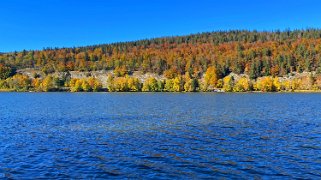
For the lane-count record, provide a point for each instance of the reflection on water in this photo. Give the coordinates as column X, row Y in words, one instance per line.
column 135, row 135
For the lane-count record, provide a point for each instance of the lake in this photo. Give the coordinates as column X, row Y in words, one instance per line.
column 160, row 135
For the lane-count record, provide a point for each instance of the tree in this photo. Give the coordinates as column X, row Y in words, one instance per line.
column 170, row 73
column 110, row 83
column 3, row 84
column 276, row 84
column 97, row 86
column 86, row 86
column 228, row 83
column 253, row 71
column 121, row 71
column 19, row 82
column 169, row 85
column 133, row 84
column 47, row 84
column 76, row 85
column 151, row 85
column 242, row 85
column 5, row 72
column 178, row 84
column 94, row 84
column 210, row 78
column 191, row 84
column 58, row 82
column 219, row 83
column 265, row 84
column 36, row 84
column 120, row 84
column 123, row 84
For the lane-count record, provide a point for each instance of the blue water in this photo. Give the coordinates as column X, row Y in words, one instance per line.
column 161, row 135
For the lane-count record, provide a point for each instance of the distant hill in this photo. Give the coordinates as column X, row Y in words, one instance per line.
column 250, row 52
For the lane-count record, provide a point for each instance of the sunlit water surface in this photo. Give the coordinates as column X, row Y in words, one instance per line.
column 159, row 135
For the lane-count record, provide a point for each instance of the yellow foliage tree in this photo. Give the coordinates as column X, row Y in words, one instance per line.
column 75, row 85
column 110, row 83
column 242, row 85
column 47, row 84
column 210, row 78
column 277, row 84
column 19, row 82
column 190, row 83
column 85, row 86
column 228, row 83
column 94, row 84
column 169, row 85
column 150, row 85
column 264, row 84
column 178, row 84
column 133, row 84
column 123, row 84
column 36, row 84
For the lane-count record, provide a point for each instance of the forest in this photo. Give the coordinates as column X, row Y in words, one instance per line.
column 229, row 61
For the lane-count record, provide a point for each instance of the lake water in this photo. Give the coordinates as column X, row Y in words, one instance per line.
column 160, row 135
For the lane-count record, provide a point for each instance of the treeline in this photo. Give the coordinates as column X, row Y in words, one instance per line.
column 22, row 83
column 253, row 53
column 197, row 62
column 185, row 83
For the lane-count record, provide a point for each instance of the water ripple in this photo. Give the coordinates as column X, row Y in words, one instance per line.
column 164, row 136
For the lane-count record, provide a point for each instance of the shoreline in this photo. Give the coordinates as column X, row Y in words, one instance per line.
column 183, row 92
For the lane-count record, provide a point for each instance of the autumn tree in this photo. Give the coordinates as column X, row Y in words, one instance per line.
column 5, row 72
column 191, row 84
column 151, row 85
column 178, row 84
column 110, row 83
column 76, row 85
column 242, row 85
column 123, row 84
column 95, row 84
column 85, row 86
column 264, row 84
column 19, row 82
column 228, row 83
column 210, row 78
column 134, row 84
column 47, row 84
column 169, row 85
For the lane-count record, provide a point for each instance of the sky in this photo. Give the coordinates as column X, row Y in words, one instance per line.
column 37, row 24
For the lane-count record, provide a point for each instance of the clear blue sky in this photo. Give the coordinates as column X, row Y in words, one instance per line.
column 34, row 24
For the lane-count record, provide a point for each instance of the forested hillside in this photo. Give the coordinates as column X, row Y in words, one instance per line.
column 205, row 61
